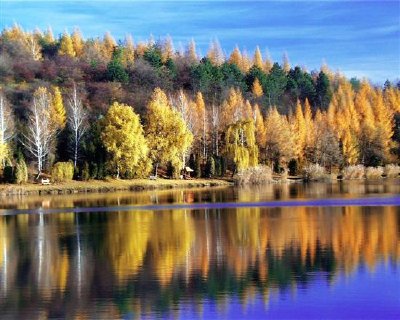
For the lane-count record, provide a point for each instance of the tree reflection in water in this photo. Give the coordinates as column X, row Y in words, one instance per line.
column 112, row 264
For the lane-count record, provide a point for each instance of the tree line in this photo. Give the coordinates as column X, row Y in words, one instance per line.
column 125, row 109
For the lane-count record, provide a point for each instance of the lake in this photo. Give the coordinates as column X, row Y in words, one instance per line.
column 222, row 253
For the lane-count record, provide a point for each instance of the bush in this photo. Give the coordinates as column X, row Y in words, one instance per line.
column 315, row 172
column 62, row 171
column 210, row 167
column 8, row 174
column 21, row 172
column 218, row 166
column 85, row 172
column 354, row 172
column 392, row 170
column 374, row 172
column 256, row 175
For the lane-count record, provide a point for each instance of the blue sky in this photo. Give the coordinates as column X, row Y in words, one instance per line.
column 360, row 38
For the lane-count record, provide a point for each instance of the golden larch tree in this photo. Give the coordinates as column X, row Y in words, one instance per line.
column 258, row 60
column 58, row 115
column 108, row 45
column 215, row 53
column 128, row 53
column 191, row 51
column 168, row 51
column 77, row 42
column 236, row 57
column 268, row 63
column 257, row 89
column 285, row 63
column 66, row 45
column 259, row 124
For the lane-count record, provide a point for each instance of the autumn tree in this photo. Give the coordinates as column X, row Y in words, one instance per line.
column 40, row 133
column 77, row 42
column 257, row 88
column 257, row 60
column 108, row 45
column 66, row 45
column 167, row 133
column 77, row 122
column 259, row 125
column 279, row 146
column 124, row 140
column 58, row 115
column 6, row 128
column 240, row 144
column 128, row 53
column 215, row 53
column 285, row 63
column 236, row 57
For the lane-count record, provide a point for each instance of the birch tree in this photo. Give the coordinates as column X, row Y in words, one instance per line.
column 39, row 136
column 77, row 122
column 6, row 128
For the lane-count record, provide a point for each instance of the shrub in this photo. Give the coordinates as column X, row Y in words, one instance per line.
column 85, row 172
column 255, row 175
column 62, row 171
column 392, row 170
column 197, row 167
column 354, row 172
column 94, row 170
column 8, row 174
column 210, row 167
column 315, row 172
column 374, row 172
column 21, row 172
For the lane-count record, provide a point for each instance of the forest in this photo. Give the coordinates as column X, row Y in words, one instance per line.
column 94, row 108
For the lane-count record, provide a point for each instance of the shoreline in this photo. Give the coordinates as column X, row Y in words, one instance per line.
column 101, row 186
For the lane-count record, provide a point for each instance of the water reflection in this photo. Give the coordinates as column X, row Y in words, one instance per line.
column 112, row 265
column 349, row 189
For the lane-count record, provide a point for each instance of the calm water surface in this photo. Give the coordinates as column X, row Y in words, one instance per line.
column 230, row 263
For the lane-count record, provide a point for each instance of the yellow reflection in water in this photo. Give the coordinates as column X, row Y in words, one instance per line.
column 176, row 246
column 127, row 237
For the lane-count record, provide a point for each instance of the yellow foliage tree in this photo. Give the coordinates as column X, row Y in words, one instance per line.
column 279, row 146
column 128, row 54
column 77, row 42
column 384, row 124
column 259, row 124
column 233, row 108
column 286, row 63
column 202, row 121
column 168, row 50
column 167, row 133
column 236, row 57
column 350, row 148
column 66, row 45
column 215, row 53
column 240, row 142
column 246, row 62
column 257, row 89
column 108, row 45
column 191, row 52
column 300, row 132
column 124, row 140
column 258, row 61
column 268, row 63
column 58, row 115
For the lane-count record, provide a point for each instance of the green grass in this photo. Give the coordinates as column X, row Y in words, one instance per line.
column 110, row 185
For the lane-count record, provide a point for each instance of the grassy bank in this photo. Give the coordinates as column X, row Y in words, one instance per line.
column 106, row 186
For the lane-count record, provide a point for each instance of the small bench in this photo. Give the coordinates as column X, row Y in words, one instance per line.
column 153, row 177
column 45, row 181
